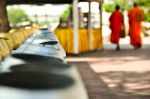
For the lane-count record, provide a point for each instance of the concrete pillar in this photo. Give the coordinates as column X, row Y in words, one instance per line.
column 75, row 27
column 90, row 27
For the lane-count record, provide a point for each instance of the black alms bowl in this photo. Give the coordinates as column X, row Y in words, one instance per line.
column 35, row 80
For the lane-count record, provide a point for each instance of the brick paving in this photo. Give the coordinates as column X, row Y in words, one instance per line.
column 111, row 74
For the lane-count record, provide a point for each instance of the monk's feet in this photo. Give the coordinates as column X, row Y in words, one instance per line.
column 118, row 48
column 137, row 47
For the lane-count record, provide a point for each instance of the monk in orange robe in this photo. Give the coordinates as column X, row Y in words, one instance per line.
column 136, row 16
column 116, row 21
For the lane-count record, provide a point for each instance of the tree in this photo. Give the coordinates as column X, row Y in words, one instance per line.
column 14, row 18
column 110, row 6
column 4, row 23
column 66, row 13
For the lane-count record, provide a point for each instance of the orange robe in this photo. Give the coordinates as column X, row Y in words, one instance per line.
column 116, row 21
column 135, row 26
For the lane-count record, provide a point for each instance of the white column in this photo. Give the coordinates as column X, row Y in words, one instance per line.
column 75, row 27
column 90, row 27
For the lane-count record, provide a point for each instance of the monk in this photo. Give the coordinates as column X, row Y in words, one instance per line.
column 136, row 16
column 116, row 21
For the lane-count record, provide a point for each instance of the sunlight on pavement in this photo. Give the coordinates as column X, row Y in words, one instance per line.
column 136, row 66
column 85, row 59
column 95, row 59
column 114, row 64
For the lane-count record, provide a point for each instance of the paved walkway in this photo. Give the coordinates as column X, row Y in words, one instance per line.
column 111, row 74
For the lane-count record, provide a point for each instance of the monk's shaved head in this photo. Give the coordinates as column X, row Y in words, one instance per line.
column 135, row 4
column 117, row 7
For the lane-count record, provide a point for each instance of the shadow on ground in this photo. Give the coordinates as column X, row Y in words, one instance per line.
column 111, row 74
column 127, row 83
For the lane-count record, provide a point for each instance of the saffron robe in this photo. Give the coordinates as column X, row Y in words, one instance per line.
column 135, row 15
column 116, row 21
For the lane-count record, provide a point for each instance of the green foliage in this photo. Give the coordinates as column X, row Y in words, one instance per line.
column 124, row 4
column 108, row 7
column 44, row 23
column 16, row 16
column 147, row 16
column 66, row 13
